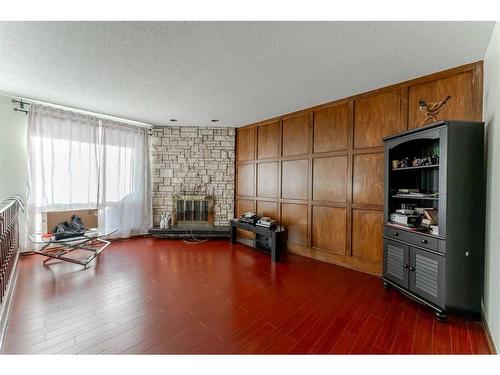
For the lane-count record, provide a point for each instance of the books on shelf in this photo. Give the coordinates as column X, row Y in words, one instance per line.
column 426, row 222
column 414, row 193
column 405, row 211
column 409, row 191
column 421, row 210
column 432, row 216
column 415, row 196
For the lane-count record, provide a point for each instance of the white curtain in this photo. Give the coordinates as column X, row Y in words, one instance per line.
column 124, row 190
column 77, row 161
column 63, row 163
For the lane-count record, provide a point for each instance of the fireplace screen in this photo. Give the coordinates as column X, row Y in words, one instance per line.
column 193, row 209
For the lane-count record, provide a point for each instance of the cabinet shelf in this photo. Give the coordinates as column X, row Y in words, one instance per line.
column 413, row 168
column 417, row 198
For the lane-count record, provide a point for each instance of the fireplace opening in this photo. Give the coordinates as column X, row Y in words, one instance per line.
column 194, row 209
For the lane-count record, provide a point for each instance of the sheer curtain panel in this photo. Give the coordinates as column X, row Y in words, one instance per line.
column 124, row 191
column 77, row 161
column 63, row 162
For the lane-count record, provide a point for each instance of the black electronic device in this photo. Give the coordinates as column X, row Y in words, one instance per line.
column 249, row 218
column 410, row 220
column 267, row 222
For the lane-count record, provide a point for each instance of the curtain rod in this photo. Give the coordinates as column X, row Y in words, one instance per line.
column 21, row 105
column 27, row 101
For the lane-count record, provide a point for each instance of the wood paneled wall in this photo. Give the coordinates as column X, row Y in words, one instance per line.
column 319, row 171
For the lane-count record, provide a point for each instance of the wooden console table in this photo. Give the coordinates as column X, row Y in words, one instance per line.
column 267, row 240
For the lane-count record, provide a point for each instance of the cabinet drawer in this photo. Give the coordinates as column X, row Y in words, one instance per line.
column 412, row 238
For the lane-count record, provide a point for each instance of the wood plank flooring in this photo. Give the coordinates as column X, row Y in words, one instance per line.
column 147, row 295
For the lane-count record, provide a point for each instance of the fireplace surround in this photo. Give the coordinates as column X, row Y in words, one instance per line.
column 193, row 161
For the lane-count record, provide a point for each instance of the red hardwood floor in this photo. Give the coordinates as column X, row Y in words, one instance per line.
column 146, row 295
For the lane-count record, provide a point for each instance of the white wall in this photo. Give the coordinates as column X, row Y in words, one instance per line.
column 13, row 154
column 492, row 119
column 13, row 169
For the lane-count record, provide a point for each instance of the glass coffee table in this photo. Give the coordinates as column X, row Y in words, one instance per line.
column 70, row 249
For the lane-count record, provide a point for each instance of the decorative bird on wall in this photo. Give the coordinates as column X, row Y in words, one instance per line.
column 431, row 110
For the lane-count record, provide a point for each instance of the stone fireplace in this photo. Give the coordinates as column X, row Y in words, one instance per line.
column 193, row 165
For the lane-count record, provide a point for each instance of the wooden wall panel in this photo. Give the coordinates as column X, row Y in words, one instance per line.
column 329, row 228
column 294, row 179
column 244, row 205
column 268, row 141
column 270, row 209
column 246, row 180
column 376, row 117
column 368, row 179
column 331, row 128
column 329, row 164
column 296, row 135
column 330, row 179
column 267, row 180
column 294, row 218
column 459, row 107
column 246, row 144
column 367, row 234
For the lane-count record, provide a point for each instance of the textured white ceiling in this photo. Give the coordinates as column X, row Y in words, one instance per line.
column 237, row 72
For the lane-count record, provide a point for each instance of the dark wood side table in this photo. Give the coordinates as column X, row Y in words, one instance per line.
column 266, row 240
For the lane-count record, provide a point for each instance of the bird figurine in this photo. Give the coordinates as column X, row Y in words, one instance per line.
column 431, row 110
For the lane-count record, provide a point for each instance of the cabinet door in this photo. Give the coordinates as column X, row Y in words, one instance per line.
column 427, row 275
column 396, row 262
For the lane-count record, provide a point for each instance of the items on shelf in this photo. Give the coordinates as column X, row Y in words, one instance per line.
column 259, row 221
column 415, row 162
column 409, row 216
column 409, row 191
column 411, row 221
column 413, row 193
column 267, row 222
column 432, row 214
column 249, row 218
column 434, row 230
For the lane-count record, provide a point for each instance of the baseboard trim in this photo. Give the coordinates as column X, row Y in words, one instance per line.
column 7, row 302
column 491, row 343
column 354, row 263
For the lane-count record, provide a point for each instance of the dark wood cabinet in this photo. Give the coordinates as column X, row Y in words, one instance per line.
column 443, row 270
